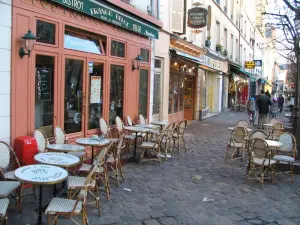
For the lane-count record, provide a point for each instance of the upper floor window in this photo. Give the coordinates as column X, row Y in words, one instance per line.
column 145, row 54
column 117, row 49
column 178, row 16
column 45, row 32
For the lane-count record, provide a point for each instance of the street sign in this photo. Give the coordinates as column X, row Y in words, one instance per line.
column 258, row 63
column 249, row 64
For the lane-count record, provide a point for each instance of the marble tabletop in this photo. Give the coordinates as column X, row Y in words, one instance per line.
column 65, row 148
column 232, row 128
column 136, row 129
column 41, row 174
column 160, row 123
column 57, row 159
column 92, row 142
column 273, row 143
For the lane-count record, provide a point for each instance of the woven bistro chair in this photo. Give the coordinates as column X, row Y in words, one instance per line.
column 242, row 123
column 274, row 121
column 166, row 139
column 129, row 121
column 69, row 207
column 260, row 158
column 287, row 152
column 61, row 138
column 129, row 138
column 76, row 183
column 4, row 202
column 142, row 119
column 42, row 140
column 11, row 189
column 258, row 134
column 105, row 130
column 276, row 130
column 8, row 164
column 152, row 150
column 101, row 172
column 114, row 159
column 236, row 144
column 178, row 135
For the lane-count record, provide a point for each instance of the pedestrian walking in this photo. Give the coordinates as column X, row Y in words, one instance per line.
column 263, row 103
column 280, row 103
column 274, row 108
column 268, row 94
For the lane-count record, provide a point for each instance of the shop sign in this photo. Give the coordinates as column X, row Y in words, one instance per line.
column 110, row 15
column 197, row 17
column 95, row 89
column 216, row 64
column 249, row 64
column 43, row 84
column 258, row 63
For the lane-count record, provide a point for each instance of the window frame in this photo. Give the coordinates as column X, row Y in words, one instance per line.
column 110, row 48
column 149, row 50
column 56, row 45
column 148, row 91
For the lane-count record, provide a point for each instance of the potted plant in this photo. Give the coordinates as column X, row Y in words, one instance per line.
column 225, row 52
column 207, row 42
column 219, row 48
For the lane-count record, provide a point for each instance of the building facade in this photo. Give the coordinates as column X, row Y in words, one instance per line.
column 83, row 65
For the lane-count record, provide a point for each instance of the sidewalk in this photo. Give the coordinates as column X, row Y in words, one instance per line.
column 194, row 188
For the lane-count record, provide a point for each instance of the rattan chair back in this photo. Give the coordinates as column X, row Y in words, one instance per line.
column 258, row 134
column 259, row 149
column 242, row 123
column 142, row 119
column 288, row 144
column 274, row 121
column 103, row 127
column 277, row 129
column 129, row 121
column 181, row 126
column 238, row 135
column 8, row 159
column 60, row 135
column 41, row 140
column 119, row 124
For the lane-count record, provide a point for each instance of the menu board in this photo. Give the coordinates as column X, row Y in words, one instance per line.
column 43, row 84
column 95, row 89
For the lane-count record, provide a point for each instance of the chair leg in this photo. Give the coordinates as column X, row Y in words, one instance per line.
column 121, row 170
column 34, row 192
column 292, row 172
column 178, row 144
column 48, row 220
column 117, row 173
column 98, row 204
column 262, row 175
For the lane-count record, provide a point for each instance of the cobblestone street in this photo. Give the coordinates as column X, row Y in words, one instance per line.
column 198, row 187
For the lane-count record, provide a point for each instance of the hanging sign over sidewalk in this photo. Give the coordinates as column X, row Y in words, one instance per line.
column 111, row 15
column 197, row 17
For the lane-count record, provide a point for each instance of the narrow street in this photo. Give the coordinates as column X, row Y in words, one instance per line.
column 198, row 187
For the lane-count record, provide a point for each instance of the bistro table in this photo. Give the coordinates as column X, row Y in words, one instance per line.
column 41, row 175
column 232, row 128
column 93, row 143
column 147, row 126
column 136, row 130
column 65, row 148
column 57, row 159
column 160, row 123
column 274, row 144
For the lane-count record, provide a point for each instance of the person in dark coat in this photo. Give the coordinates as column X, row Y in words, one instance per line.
column 280, row 103
column 263, row 103
column 268, row 94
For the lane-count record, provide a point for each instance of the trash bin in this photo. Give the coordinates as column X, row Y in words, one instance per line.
column 25, row 148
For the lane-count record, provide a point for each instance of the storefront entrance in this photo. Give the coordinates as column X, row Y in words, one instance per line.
column 80, row 91
column 188, row 97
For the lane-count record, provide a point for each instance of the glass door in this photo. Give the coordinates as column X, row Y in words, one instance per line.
column 188, row 98
column 95, row 96
column 74, row 95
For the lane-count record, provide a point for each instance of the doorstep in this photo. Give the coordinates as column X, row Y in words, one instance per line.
column 209, row 115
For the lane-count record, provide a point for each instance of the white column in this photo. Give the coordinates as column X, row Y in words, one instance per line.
column 151, row 80
column 5, row 68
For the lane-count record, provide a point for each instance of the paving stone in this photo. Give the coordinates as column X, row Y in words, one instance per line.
column 157, row 214
column 256, row 221
column 168, row 221
column 151, row 222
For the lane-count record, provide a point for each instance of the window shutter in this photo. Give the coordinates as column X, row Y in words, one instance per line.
column 178, row 16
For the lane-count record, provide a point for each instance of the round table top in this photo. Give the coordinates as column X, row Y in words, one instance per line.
column 136, row 129
column 232, row 128
column 57, row 159
column 65, row 148
column 92, row 142
column 268, row 125
column 273, row 143
column 147, row 126
column 41, row 174
column 160, row 123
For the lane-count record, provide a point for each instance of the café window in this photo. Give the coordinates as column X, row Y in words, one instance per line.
column 116, row 92
column 117, row 49
column 44, row 93
column 143, row 95
column 45, row 32
column 176, row 94
column 96, row 94
column 85, row 41
column 145, row 54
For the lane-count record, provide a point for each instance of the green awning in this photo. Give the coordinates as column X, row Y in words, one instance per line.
column 251, row 76
column 109, row 14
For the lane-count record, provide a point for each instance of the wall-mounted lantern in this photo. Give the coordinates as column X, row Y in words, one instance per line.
column 29, row 41
column 138, row 59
